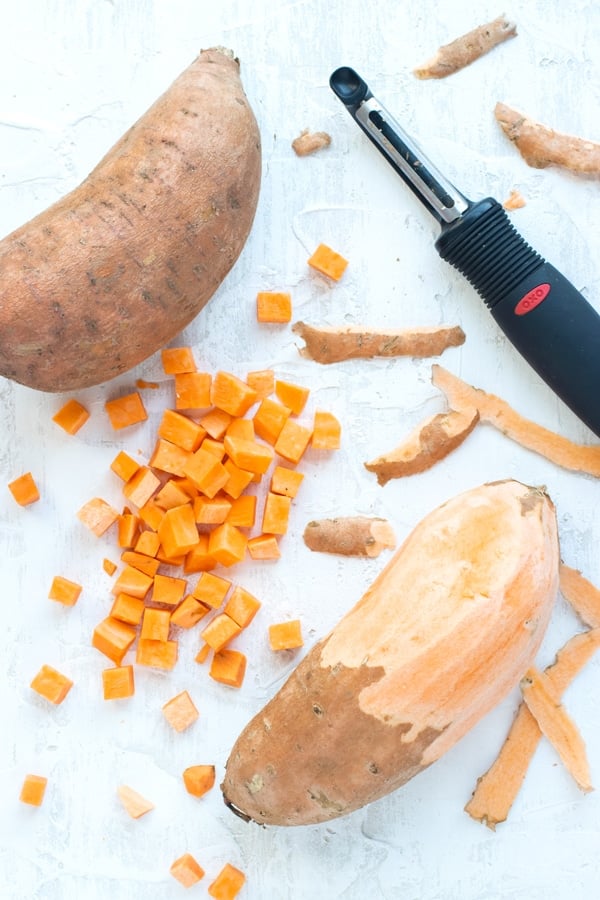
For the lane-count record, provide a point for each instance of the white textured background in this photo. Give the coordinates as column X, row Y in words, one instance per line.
column 73, row 76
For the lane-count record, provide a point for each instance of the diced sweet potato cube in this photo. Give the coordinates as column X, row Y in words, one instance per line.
column 274, row 306
column 64, row 591
column 241, row 427
column 211, row 589
column 186, row 870
column 189, row 612
column 206, row 471
column 243, row 511
column 168, row 457
column 326, row 431
column 286, row 635
column 113, row 638
column 168, row 589
column 97, row 515
column 178, row 531
column 220, row 631
column 148, row 543
column 211, row 510
column 198, row 559
column 231, row 394
column 124, row 466
column 262, row 381
column 177, row 359
column 192, row 390
column 227, row 544
column 328, row 262
column 228, row 667
column 227, row 884
column 24, row 489
column 134, row 803
column 127, row 410
column 269, row 419
column 250, row 456
column 157, row 654
column 294, row 396
column 149, row 565
column 132, row 581
column 216, row 422
column 238, row 480
column 128, row 529
column 180, row 712
column 127, row 609
column 71, row 416
column 141, row 486
column 118, row 682
column 51, row 684
column 199, row 780
column 242, row 606
column 264, row 546
column 276, row 513
column 155, row 624
column 181, row 430
column 286, row 481
column 292, row 441
column 33, row 790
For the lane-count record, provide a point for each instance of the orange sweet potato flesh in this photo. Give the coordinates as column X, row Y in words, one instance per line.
column 114, row 270
column 411, row 667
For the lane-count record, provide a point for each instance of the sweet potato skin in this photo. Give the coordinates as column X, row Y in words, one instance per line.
column 114, row 270
column 411, row 668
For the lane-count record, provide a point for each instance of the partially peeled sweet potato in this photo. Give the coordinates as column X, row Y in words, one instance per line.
column 114, row 270
column 447, row 629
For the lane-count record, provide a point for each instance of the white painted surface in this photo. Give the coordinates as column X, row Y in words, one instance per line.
column 73, row 76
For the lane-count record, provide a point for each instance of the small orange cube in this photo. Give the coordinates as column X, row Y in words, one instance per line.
column 125, row 411
column 155, row 624
column 227, row 884
column 72, row 416
column 186, row 870
column 64, row 591
column 118, row 682
column 328, row 262
column 199, row 780
column 228, row 667
column 33, row 790
column 286, row 635
column 24, row 489
column 180, row 712
column 274, row 306
column 177, row 359
column 49, row 683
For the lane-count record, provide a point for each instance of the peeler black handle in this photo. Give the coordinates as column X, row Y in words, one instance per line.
column 544, row 316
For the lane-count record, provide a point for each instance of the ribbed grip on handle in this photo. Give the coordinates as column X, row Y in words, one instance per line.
column 486, row 248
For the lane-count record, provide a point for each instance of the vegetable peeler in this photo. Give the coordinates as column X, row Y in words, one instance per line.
column 544, row 316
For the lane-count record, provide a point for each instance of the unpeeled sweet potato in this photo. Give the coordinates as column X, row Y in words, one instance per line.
column 447, row 629
column 114, row 270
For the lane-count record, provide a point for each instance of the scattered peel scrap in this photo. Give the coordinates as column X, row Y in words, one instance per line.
column 427, row 444
column 497, row 412
column 309, row 142
column 556, row 724
column 515, row 200
column 330, row 345
column 497, row 789
column 541, row 146
column 467, row 48
column 583, row 596
column 350, row 536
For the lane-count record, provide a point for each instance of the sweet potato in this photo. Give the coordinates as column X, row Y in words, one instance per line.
column 111, row 272
column 447, row 629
